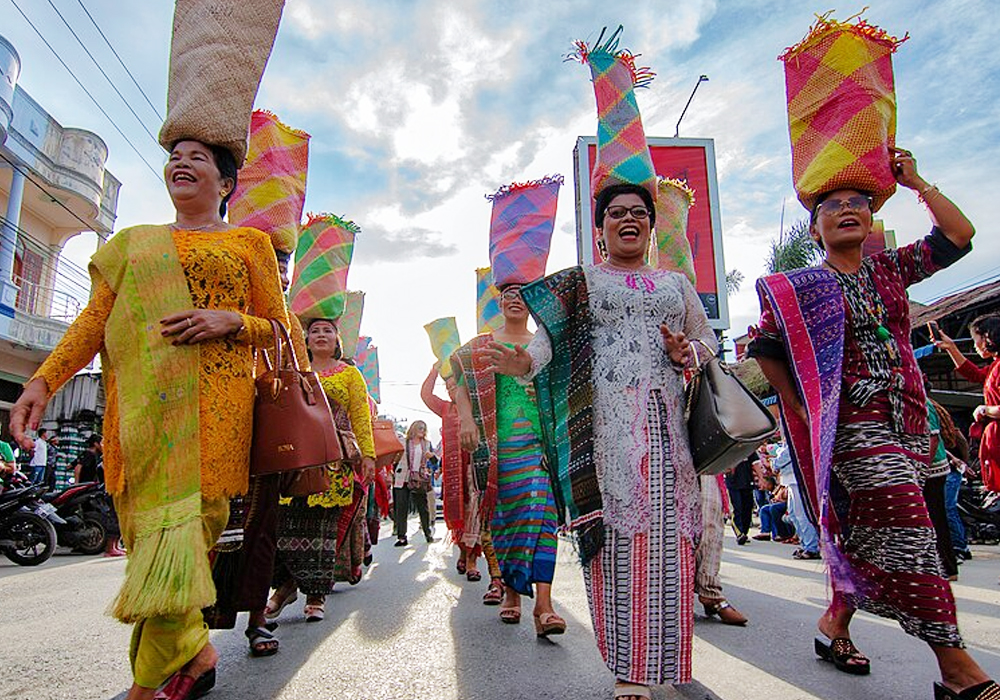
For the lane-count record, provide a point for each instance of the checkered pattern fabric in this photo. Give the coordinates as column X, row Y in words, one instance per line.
column 673, row 250
column 524, row 215
column 622, row 154
column 322, row 260
column 841, row 110
column 349, row 324
column 367, row 362
column 271, row 191
column 443, row 333
column 489, row 317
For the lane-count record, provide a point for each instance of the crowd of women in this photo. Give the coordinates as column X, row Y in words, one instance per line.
column 581, row 423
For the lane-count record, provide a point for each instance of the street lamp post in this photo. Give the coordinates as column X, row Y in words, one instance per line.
column 701, row 79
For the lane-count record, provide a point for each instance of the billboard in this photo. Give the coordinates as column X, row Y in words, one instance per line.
column 692, row 160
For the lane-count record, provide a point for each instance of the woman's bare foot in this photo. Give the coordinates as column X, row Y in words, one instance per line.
column 631, row 691
column 835, row 624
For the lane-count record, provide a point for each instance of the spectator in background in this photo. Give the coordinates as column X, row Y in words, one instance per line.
column 772, row 525
column 934, row 490
column 739, row 482
column 808, row 537
column 51, row 457
column 40, row 457
column 85, row 466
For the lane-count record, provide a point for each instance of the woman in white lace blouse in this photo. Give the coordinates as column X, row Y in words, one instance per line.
column 613, row 420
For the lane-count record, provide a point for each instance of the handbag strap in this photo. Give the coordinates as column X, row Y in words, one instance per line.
column 281, row 337
column 697, row 360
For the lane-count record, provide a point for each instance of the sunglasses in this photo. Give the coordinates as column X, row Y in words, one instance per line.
column 832, row 207
column 619, row 212
column 511, row 294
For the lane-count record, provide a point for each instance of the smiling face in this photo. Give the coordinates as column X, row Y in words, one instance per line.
column 979, row 342
column 843, row 220
column 511, row 303
column 193, row 179
column 626, row 239
column 322, row 338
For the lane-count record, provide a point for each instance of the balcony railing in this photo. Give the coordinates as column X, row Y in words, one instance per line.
column 48, row 302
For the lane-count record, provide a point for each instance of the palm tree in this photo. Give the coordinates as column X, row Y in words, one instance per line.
column 734, row 278
column 793, row 249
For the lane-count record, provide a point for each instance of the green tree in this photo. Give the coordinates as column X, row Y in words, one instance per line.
column 734, row 278
column 793, row 249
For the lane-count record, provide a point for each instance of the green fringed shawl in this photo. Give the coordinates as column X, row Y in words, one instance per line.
column 157, row 394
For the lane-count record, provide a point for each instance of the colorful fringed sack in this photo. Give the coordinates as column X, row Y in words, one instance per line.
column 841, row 109
column 443, row 334
column 622, row 153
column 322, row 261
column 524, row 216
column 218, row 52
column 271, row 191
column 673, row 250
column 367, row 362
column 349, row 325
column 489, row 317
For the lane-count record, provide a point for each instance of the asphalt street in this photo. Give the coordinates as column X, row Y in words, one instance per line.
column 414, row 629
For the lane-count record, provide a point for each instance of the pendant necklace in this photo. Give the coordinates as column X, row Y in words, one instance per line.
column 873, row 304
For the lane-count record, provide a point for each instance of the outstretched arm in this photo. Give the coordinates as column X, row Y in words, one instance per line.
column 434, row 403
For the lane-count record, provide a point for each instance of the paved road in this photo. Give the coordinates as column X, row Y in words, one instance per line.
column 414, row 629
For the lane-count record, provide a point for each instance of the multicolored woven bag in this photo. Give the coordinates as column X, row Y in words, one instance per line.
column 622, row 154
column 841, row 109
column 673, row 250
column 271, row 191
column 443, row 334
column 322, row 261
column 367, row 362
column 349, row 324
column 524, row 216
column 489, row 317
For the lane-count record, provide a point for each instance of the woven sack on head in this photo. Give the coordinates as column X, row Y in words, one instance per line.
column 443, row 334
column 524, row 216
column 217, row 56
column 367, row 362
column 349, row 325
column 841, row 110
column 271, row 191
column 673, row 250
column 489, row 317
column 322, row 261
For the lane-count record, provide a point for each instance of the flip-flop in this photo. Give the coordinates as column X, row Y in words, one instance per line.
column 262, row 642
column 313, row 612
column 473, row 575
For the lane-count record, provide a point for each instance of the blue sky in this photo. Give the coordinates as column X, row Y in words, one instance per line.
column 419, row 108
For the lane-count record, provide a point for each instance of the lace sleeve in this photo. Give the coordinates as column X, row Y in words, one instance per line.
column 361, row 417
column 696, row 322
column 83, row 339
column 540, row 349
column 298, row 337
column 267, row 300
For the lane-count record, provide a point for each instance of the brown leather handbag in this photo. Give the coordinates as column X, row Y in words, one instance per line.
column 387, row 444
column 293, row 427
column 306, row 482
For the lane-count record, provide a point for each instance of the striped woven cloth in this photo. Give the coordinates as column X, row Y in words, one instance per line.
column 443, row 334
column 673, row 249
column 349, row 325
column 367, row 362
column 524, row 215
column 322, row 260
column 841, row 109
column 622, row 154
column 489, row 317
column 271, row 191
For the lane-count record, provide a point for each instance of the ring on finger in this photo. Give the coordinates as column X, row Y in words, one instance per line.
column 189, row 322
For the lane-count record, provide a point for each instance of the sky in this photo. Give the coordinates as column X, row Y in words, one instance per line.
column 418, row 108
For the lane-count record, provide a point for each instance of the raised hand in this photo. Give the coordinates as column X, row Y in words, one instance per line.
column 514, row 362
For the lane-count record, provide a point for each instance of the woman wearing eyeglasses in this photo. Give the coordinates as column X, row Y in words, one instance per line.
column 834, row 343
column 614, row 339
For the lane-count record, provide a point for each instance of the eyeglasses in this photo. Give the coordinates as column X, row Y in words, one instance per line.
column 619, row 212
column 511, row 294
column 832, row 207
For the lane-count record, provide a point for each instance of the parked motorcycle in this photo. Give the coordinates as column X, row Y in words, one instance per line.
column 27, row 532
column 84, row 509
column 980, row 512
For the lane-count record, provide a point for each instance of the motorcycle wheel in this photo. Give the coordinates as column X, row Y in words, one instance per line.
column 35, row 539
column 92, row 536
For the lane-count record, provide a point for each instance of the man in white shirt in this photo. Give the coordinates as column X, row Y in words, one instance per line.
column 40, row 457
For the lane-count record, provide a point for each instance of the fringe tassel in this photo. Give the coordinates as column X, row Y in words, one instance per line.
column 642, row 76
column 519, row 186
column 333, row 220
column 590, row 539
column 167, row 574
column 664, row 182
column 284, row 127
column 825, row 26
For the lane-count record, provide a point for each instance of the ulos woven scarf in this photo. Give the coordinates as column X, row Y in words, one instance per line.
column 271, row 191
column 157, row 402
column 218, row 52
column 841, row 109
column 322, row 261
column 489, row 317
column 622, row 154
column 367, row 362
column 349, row 324
column 443, row 334
column 473, row 368
column 524, row 216
column 673, row 250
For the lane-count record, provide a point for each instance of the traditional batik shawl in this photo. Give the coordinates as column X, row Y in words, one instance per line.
column 443, row 334
column 524, row 216
column 489, row 317
column 349, row 324
column 157, row 399
column 808, row 307
column 271, row 191
column 565, row 396
column 673, row 250
column 622, row 154
column 841, row 109
column 322, row 261
column 472, row 363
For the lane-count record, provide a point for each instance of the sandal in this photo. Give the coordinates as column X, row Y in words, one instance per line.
column 549, row 623
column 727, row 614
column 473, row 575
column 460, row 565
column 274, row 608
column 183, row 687
column 314, row 612
column 984, row 691
column 262, row 642
column 841, row 651
column 510, row 616
column 632, row 690
column 494, row 594
column 803, row 554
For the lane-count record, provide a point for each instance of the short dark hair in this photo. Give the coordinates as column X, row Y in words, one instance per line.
column 93, row 440
column 605, row 196
column 42, row 432
column 988, row 326
column 225, row 163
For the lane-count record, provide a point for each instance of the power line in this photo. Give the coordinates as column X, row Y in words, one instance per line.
column 120, row 61
column 106, row 77
column 92, row 98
